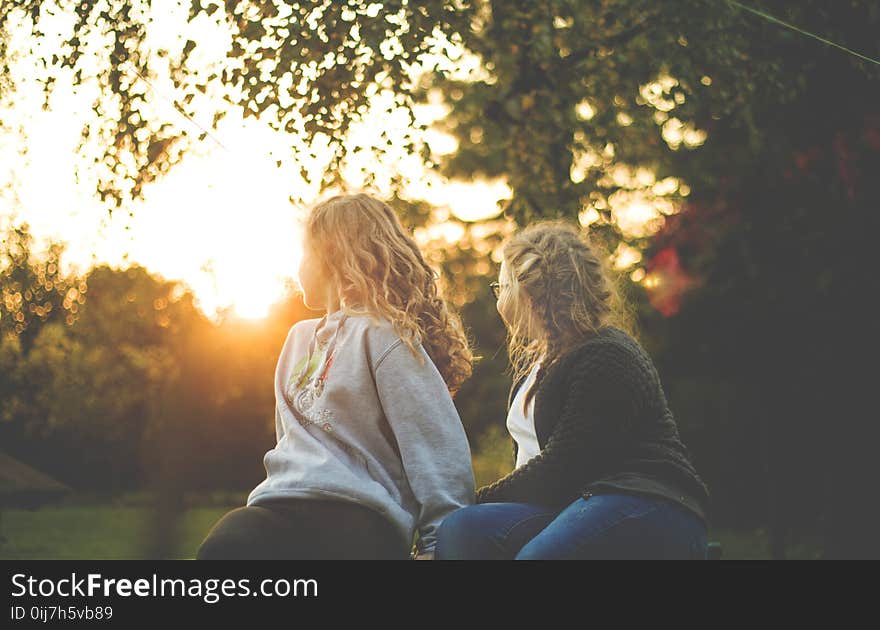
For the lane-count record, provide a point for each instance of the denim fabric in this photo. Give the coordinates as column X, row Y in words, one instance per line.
column 601, row 527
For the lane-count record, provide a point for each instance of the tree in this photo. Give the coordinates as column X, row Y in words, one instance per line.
column 781, row 321
column 777, row 234
column 33, row 289
column 309, row 68
column 566, row 90
column 81, row 400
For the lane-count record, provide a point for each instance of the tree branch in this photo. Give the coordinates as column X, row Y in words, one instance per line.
column 617, row 39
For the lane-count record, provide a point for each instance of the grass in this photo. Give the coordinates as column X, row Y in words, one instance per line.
column 755, row 545
column 95, row 532
column 95, row 528
column 119, row 530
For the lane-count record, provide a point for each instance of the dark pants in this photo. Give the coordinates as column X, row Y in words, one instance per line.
column 303, row 529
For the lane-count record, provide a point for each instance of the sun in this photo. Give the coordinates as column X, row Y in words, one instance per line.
column 251, row 291
column 223, row 222
column 251, row 310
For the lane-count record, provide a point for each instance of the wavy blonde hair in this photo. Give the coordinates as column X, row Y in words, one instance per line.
column 380, row 272
column 561, row 293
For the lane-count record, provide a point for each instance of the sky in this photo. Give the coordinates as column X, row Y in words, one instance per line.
column 221, row 220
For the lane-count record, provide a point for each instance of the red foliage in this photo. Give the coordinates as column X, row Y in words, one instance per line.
column 666, row 282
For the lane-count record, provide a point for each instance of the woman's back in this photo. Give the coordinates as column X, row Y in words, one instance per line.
column 604, row 425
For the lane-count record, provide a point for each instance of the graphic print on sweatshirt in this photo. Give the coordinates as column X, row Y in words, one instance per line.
column 304, row 388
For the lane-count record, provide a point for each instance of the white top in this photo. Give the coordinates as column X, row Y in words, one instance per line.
column 521, row 425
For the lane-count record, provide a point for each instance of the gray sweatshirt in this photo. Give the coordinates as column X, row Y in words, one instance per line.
column 359, row 418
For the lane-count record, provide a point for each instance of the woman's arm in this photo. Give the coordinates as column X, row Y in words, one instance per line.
column 596, row 421
column 285, row 349
column 279, row 426
column 430, row 437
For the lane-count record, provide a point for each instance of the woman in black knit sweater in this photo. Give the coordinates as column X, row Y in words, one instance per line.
column 600, row 469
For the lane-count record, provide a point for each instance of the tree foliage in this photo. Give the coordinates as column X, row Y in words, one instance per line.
column 34, row 291
column 309, row 68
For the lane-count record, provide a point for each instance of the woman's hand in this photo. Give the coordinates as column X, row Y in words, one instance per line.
column 424, row 556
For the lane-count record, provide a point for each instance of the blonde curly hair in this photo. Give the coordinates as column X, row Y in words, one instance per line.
column 561, row 293
column 380, row 272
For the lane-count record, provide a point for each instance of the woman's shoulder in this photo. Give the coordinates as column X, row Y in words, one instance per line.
column 611, row 351
column 607, row 339
column 354, row 322
column 377, row 333
column 376, row 327
column 303, row 327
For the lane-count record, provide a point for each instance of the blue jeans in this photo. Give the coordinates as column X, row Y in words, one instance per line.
column 603, row 527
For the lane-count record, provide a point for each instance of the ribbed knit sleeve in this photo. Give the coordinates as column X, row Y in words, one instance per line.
column 607, row 384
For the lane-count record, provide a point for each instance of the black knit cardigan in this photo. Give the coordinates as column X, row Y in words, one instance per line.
column 603, row 426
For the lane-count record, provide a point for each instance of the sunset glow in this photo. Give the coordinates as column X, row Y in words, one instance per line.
column 221, row 221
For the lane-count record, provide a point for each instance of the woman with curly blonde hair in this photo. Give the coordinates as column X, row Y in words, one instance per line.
column 600, row 470
column 370, row 447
